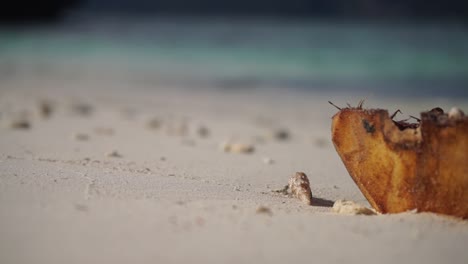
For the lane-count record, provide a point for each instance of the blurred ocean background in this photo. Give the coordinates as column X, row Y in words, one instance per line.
column 384, row 58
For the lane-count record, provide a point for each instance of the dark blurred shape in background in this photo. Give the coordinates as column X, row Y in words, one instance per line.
column 307, row 8
column 30, row 11
column 50, row 10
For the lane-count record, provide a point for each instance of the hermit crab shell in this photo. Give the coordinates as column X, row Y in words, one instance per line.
column 400, row 168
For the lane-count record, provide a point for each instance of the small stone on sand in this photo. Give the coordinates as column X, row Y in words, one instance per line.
column 351, row 208
column 280, row 134
column 20, row 124
column 45, row 109
column 264, row 210
column 113, row 154
column 203, row 132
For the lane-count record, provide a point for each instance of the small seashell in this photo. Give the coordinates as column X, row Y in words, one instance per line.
column 351, row 208
column 300, row 187
column 264, row 210
column 237, row 147
column 456, row 113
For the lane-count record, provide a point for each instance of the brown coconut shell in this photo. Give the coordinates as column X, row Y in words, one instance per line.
column 399, row 166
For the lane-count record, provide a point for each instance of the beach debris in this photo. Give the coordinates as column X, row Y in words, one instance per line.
column 284, row 191
column 203, row 131
column 237, row 147
column 264, row 210
column 154, row 123
column 104, row 131
column 20, row 123
column 45, row 108
column 113, row 154
column 300, row 188
column 400, row 166
column 81, row 136
column 279, row 134
column 268, row 160
column 351, row 208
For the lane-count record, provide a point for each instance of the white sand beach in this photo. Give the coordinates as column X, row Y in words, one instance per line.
column 126, row 172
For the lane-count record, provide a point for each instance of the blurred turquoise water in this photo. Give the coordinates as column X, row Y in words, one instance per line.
column 290, row 53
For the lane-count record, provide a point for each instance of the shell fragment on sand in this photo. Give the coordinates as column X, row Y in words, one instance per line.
column 237, row 147
column 400, row 166
column 264, row 210
column 300, row 188
column 351, row 208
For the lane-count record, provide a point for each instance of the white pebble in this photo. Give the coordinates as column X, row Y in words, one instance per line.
column 351, row 208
